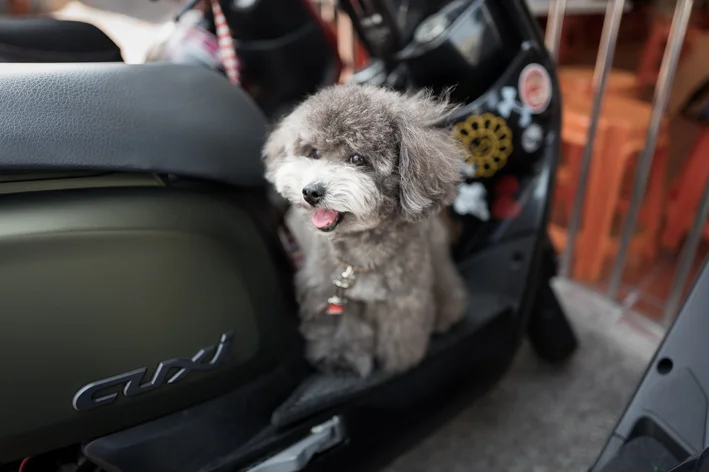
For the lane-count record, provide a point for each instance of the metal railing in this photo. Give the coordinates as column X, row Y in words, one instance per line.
column 678, row 29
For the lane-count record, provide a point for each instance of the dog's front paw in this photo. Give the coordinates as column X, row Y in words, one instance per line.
column 399, row 355
column 344, row 361
column 451, row 309
column 337, row 345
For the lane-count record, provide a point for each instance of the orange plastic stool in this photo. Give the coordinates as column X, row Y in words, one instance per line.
column 687, row 190
column 651, row 59
column 621, row 134
column 580, row 80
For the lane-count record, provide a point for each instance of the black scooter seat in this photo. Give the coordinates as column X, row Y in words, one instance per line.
column 27, row 39
column 156, row 118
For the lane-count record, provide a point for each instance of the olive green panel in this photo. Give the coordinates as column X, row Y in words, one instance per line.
column 98, row 282
column 33, row 182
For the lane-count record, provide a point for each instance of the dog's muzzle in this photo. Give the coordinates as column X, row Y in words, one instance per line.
column 324, row 219
column 313, row 193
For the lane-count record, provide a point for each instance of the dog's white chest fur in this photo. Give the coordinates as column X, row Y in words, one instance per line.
column 320, row 266
column 368, row 287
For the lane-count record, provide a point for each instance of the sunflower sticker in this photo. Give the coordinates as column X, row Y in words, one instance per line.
column 488, row 140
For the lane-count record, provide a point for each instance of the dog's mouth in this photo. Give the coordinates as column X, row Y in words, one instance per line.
column 326, row 220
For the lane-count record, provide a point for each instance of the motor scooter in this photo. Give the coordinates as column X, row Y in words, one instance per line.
column 149, row 317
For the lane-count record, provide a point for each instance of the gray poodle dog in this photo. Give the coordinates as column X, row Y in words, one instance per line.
column 367, row 172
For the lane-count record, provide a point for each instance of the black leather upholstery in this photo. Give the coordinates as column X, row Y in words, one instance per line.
column 161, row 118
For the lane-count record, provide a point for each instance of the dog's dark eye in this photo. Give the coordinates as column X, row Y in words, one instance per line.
column 357, row 160
column 314, row 154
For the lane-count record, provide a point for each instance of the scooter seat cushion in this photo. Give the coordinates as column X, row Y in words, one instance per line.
column 157, row 118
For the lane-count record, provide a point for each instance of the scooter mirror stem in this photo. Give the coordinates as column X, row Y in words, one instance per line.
column 185, row 8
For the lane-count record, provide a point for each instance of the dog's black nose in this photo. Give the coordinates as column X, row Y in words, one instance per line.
column 313, row 193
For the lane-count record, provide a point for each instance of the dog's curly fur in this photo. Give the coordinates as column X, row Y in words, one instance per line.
column 390, row 205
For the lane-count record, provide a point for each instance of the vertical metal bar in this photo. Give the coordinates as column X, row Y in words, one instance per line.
column 555, row 23
column 689, row 252
column 604, row 61
column 680, row 20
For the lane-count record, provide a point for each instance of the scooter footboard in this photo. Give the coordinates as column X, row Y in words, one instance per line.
column 494, row 278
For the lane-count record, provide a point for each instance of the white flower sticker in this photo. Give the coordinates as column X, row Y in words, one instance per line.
column 471, row 200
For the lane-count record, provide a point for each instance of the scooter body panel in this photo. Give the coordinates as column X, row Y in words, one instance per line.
column 124, row 304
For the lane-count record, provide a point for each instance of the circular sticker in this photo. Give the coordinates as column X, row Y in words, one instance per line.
column 488, row 141
column 535, row 88
column 532, row 138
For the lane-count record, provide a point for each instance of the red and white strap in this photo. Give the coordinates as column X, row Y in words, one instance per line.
column 226, row 44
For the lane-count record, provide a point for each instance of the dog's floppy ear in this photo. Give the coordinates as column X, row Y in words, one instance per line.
column 430, row 158
column 276, row 147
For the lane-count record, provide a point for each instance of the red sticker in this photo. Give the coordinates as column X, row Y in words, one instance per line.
column 535, row 88
column 505, row 205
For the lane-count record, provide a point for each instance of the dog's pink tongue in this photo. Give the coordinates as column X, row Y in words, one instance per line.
column 324, row 218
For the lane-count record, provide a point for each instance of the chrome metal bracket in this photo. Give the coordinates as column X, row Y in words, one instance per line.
column 296, row 457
